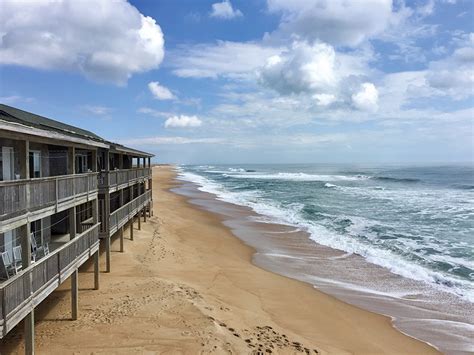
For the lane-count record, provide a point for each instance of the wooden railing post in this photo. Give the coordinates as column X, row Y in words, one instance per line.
column 4, row 310
column 96, row 270
column 56, row 192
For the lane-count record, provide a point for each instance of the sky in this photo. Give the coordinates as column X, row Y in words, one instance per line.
column 262, row 81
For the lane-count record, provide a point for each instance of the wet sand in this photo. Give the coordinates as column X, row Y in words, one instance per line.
column 186, row 284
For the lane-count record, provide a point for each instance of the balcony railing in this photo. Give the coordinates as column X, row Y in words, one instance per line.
column 115, row 178
column 18, row 197
column 122, row 215
column 21, row 293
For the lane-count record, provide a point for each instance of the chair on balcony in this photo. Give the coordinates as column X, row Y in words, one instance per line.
column 38, row 251
column 45, row 249
column 6, row 266
column 34, row 247
column 17, row 258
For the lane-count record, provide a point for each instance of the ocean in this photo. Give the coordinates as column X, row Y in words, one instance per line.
column 412, row 227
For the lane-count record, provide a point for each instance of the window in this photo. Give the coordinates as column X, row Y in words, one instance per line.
column 81, row 163
column 6, row 164
column 35, row 163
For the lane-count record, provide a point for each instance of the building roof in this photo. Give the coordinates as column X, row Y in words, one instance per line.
column 15, row 115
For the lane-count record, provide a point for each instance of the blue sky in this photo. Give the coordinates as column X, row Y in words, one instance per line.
column 250, row 81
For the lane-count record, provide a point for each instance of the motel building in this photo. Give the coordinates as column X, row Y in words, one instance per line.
column 63, row 192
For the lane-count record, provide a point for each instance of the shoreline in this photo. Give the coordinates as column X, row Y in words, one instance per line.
column 187, row 284
column 288, row 250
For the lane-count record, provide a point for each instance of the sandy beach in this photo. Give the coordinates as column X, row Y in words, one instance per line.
column 186, row 284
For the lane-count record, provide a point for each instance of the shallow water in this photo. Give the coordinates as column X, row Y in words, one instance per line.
column 395, row 240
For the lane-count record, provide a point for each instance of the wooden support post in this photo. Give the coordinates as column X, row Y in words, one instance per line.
column 94, row 160
column 120, row 164
column 71, row 160
column 72, row 222
column 107, row 253
column 74, row 294
column 144, row 214
column 96, row 270
column 74, row 276
column 121, row 239
column 29, row 322
column 139, row 221
column 24, row 157
column 25, row 245
column 131, row 228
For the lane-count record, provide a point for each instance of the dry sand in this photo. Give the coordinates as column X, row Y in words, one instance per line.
column 187, row 285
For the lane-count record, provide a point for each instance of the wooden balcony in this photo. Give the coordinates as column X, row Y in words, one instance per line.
column 20, row 294
column 122, row 215
column 24, row 200
column 115, row 180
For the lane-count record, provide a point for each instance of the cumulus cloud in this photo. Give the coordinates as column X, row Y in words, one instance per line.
column 183, row 121
column 317, row 69
column 107, row 41
column 366, row 98
column 225, row 58
column 160, row 92
column 302, row 68
column 224, row 10
column 338, row 22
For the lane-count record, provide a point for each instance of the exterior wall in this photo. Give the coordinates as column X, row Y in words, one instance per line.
column 46, row 232
column 114, row 201
column 59, row 223
column 15, row 144
column 58, row 160
column 43, row 148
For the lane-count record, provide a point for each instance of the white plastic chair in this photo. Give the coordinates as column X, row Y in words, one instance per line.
column 17, row 258
column 34, row 246
column 6, row 265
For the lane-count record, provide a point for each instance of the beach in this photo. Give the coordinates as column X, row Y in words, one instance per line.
column 186, row 284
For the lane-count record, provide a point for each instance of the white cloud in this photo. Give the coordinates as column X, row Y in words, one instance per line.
column 107, row 41
column 153, row 112
column 160, row 92
column 366, row 98
column 454, row 75
column 224, row 10
column 97, row 110
column 183, row 121
column 316, row 69
column 13, row 99
column 324, row 99
column 230, row 59
column 302, row 68
column 162, row 140
column 338, row 22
